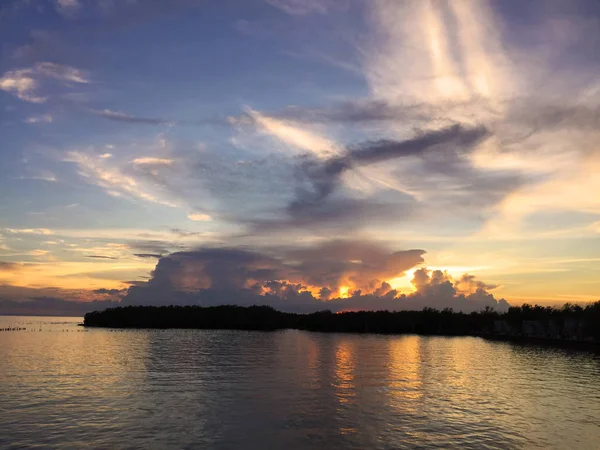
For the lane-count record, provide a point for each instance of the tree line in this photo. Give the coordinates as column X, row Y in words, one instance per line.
column 571, row 322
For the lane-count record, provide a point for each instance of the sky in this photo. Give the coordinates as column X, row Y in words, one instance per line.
column 306, row 154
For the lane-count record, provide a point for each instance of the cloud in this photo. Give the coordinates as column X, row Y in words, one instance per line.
column 347, row 186
column 364, row 111
column 67, row 7
column 465, row 138
column 326, row 265
column 41, row 231
column 148, row 255
column 154, row 246
column 455, row 51
column 44, row 118
column 100, row 171
column 323, row 177
column 61, row 72
column 433, row 289
column 439, row 290
column 334, row 275
column 22, row 84
column 104, row 291
column 118, row 116
column 303, row 7
column 360, row 264
column 538, row 115
column 147, row 160
column 10, row 266
column 199, row 217
column 100, row 257
column 291, row 134
column 338, row 214
column 43, row 175
column 25, row 83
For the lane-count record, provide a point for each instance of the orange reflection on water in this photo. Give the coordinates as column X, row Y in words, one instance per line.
column 344, row 371
column 345, row 384
column 405, row 372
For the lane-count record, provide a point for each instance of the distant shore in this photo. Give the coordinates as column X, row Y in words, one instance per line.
column 571, row 325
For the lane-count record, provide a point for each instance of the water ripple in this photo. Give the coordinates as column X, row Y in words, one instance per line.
column 288, row 389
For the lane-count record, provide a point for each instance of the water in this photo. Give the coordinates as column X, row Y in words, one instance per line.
column 69, row 388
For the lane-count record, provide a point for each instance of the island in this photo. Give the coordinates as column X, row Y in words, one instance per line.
column 571, row 323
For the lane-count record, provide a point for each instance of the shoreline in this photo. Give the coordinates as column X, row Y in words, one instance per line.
column 565, row 327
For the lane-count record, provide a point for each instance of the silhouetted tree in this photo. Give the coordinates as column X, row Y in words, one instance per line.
column 569, row 322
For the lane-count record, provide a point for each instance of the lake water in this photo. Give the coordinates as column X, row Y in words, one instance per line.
column 69, row 388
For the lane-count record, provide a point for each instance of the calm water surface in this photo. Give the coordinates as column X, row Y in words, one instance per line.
column 69, row 388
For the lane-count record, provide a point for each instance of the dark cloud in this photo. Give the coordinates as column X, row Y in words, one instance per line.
column 103, row 291
column 369, row 111
column 185, row 233
column 330, row 265
column 134, row 283
column 323, row 177
column 352, row 112
column 462, row 137
column 435, row 164
column 341, row 214
column 527, row 117
column 148, row 255
column 101, row 257
column 218, row 268
column 524, row 111
column 306, row 279
column 454, row 185
column 360, row 264
column 118, row 116
column 10, row 266
column 153, row 246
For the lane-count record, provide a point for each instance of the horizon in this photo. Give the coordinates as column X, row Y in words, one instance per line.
column 377, row 155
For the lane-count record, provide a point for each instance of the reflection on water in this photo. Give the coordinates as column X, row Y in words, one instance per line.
column 289, row 389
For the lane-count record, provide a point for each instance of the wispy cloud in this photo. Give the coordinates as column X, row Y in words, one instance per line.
column 303, row 7
column 67, row 7
column 321, row 178
column 445, row 65
column 26, row 82
column 199, row 217
column 99, row 171
column 10, row 266
column 44, row 118
column 41, row 231
column 61, row 72
column 42, row 175
column 119, row 116
column 22, row 84
column 152, row 161
column 291, row 134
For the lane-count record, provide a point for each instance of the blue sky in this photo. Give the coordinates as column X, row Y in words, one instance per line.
column 465, row 130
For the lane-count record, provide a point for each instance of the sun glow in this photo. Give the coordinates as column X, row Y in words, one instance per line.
column 344, row 291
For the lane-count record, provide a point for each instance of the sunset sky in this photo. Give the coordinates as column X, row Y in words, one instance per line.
column 299, row 151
